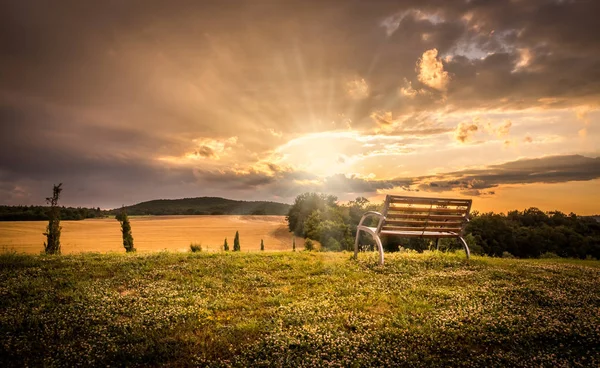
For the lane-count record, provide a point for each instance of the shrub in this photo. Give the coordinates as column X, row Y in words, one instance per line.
column 506, row 254
column 195, row 247
column 549, row 255
column 52, row 244
column 126, row 231
column 236, row 242
column 225, row 246
column 309, row 245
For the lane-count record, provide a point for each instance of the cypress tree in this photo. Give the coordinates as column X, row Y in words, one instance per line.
column 236, row 242
column 294, row 244
column 225, row 246
column 52, row 244
column 262, row 245
column 126, row 230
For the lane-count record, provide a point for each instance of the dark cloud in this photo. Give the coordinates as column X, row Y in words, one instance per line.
column 551, row 169
column 93, row 93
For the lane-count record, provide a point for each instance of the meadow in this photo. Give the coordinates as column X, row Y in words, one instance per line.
column 297, row 309
column 151, row 233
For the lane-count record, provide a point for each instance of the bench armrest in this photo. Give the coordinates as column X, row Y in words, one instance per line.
column 372, row 213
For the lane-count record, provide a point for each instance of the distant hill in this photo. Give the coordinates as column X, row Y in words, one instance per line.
column 205, row 206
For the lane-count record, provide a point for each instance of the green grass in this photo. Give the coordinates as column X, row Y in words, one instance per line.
column 297, row 309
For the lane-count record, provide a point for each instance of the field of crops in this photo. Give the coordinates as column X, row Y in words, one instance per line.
column 302, row 309
column 174, row 233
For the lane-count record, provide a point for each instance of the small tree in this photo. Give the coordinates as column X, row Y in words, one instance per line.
column 52, row 244
column 294, row 244
column 236, row 242
column 225, row 246
column 262, row 245
column 126, row 230
column 309, row 245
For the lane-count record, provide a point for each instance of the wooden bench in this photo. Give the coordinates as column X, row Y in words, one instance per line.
column 418, row 217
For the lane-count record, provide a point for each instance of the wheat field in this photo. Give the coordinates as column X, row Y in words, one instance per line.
column 152, row 233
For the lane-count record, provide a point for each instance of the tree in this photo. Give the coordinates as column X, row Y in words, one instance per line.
column 236, row 242
column 262, row 245
column 225, row 246
column 52, row 244
column 126, row 230
column 304, row 205
column 294, row 244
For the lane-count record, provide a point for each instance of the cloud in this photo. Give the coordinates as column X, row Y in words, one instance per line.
column 464, row 131
column 550, row 169
column 358, row 89
column 431, row 71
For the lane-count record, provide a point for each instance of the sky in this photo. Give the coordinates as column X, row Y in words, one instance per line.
column 133, row 100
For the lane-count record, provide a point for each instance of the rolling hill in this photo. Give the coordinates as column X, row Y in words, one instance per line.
column 205, row 206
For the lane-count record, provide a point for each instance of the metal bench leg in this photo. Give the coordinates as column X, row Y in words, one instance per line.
column 380, row 246
column 464, row 243
column 377, row 241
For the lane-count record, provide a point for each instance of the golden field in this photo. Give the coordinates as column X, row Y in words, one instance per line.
column 152, row 233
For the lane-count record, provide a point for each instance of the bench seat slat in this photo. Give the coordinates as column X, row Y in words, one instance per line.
column 417, row 228
column 434, row 211
column 417, row 234
column 430, row 201
column 424, row 223
column 399, row 216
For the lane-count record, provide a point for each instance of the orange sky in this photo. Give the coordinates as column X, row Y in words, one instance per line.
column 131, row 101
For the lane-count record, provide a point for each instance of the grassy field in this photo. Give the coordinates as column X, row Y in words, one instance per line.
column 297, row 309
column 174, row 233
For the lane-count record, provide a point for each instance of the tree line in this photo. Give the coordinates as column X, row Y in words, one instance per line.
column 40, row 213
column 531, row 233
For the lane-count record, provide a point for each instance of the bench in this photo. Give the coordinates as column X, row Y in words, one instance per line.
column 418, row 217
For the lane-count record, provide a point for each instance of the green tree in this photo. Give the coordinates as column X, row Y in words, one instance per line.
column 52, row 244
column 303, row 206
column 236, row 242
column 126, row 231
column 262, row 245
column 294, row 244
column 225, row 246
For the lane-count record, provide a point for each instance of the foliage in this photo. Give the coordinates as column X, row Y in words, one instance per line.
column 309, row 245
column 236, row 242
column 195, row 247
column 304, row 205
column 531, row 233
column 262, row 245
column 225, row 246
column 40, row 213
column 300, row 309
column 52, row 244
column 126, row 231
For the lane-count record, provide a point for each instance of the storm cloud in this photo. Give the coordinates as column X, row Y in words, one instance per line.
column 135, row 100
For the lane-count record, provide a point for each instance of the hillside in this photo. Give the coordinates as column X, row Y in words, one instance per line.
column 298, row 309
column 206, row 206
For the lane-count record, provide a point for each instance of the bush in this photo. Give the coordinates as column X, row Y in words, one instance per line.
column 196, row 247
column 549, row 255
column 236, row 242
column 126, row 231
column 309, row 245
column 506, row 254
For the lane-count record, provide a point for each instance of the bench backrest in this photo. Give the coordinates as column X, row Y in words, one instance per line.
column 425, row 214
